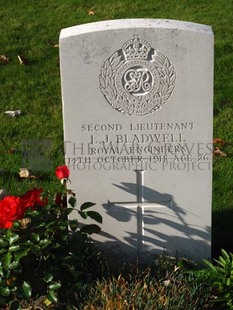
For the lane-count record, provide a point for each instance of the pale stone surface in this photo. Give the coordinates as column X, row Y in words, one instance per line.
column 137, row 109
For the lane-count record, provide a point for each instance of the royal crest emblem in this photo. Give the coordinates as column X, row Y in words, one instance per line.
column 137, row 80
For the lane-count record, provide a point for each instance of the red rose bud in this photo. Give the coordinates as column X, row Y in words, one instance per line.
column 62, row 172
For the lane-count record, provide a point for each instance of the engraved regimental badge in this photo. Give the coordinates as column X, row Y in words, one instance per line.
column 137, row 80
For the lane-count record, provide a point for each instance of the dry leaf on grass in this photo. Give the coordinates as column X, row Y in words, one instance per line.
column 218, row 141
column 24, row 173
column 12, row 150
column 56, row 45
column 40, row 303
column 4, row 58
column 91, row 13
column 218, row 152
column 167, row 282
column 176, row 268
column 23, row 60
column 13, row 113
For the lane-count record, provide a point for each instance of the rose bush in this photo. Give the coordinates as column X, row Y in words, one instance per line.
column 41, row 250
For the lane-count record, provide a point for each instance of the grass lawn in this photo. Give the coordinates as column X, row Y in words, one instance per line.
column 31, row 29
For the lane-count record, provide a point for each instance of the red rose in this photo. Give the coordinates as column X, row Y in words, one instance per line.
column 11, row 209
column 62, row 172
column 32, row 197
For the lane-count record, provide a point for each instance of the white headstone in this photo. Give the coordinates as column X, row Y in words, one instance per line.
column 137, row 105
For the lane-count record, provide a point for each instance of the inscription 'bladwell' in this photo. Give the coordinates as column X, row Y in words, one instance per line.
column 137, row 80
column 141, row 138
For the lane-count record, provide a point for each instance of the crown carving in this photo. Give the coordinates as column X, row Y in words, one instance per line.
column 136, row 48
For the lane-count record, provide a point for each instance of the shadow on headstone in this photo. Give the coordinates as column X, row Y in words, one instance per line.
column 164, row 226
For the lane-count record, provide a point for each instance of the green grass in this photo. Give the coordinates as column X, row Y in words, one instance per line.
column 146, row 291
column 32, row 28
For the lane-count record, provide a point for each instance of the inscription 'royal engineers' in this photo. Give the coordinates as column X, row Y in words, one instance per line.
column 137, row 80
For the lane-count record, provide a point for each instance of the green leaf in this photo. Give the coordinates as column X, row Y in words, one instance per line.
column 86, row 205
column 210, row 265
column 13, row 239
column 3, row 243
column 33, row 212
column 90, row 229
column 225, row 255
column 4, row 291
column 3, row 251
column 222, row 260
column 228, row 282
column 14, row 248
column 27, row 289
column 54, row 286
column 72, row 202
column 73, row 225
column 8, row 233
column 52, row 296
column 83, row 214
column 43, row 243
column 68, row 211
column 26, row 243
column 13, row 265
column 47, row 207
column 48, row 278
column 95, row 216
column 7, row 260
column 16, row 225
column 20, row 254
column 35, row 237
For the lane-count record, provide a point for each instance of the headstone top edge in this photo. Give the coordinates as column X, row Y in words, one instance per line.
column 134, row 23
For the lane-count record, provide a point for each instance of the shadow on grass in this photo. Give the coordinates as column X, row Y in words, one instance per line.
column 222, row 231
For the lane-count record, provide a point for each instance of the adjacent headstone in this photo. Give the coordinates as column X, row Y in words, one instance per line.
column 137, row 106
